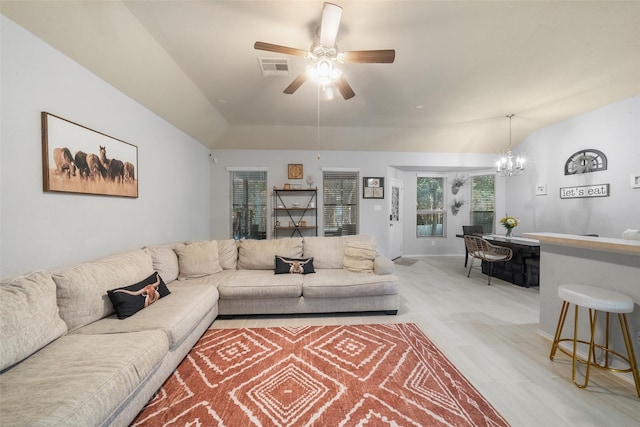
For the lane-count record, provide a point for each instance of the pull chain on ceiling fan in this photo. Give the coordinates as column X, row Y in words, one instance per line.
column 325, row 53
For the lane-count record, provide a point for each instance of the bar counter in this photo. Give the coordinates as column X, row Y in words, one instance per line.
column 596, row 261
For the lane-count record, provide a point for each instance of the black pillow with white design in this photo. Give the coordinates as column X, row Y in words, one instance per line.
column 128, row 300
column 286, row 265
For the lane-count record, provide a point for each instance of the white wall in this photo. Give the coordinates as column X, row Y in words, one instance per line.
column 369, row 164
column 614, row 130
column 49, row 230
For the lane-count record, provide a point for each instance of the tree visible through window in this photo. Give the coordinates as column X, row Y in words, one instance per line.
column 483, row 201
column 430, row 214
column 248, row 204
column 340, row 203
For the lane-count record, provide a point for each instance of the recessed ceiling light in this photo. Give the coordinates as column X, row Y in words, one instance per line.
column 222, row 101
column 419, row 107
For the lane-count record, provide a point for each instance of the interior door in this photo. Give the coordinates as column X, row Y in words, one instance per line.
column 395, row 218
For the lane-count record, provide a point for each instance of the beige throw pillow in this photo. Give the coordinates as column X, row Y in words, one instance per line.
column 228, row 254
column 359, row 256
column 198, row 259
column 29, row 317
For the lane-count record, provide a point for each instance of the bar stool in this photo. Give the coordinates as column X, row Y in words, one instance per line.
column 595, row 299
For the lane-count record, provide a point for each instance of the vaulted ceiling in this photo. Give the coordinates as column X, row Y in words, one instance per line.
column 460, row 67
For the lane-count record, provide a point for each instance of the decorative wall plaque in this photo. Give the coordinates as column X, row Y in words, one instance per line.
column 582, row 191
column 585, row 161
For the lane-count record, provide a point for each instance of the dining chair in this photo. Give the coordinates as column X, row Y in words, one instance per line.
column 470, row 229
column 481, row 249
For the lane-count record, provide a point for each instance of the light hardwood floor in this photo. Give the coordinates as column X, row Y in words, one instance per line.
column 490, row 333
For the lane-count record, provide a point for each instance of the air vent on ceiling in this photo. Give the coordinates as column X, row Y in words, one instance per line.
column 274, row 66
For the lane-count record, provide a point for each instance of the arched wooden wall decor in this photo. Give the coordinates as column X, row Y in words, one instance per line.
column 585, row 161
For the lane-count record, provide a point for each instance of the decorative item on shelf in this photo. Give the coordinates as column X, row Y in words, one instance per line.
column 277, row 223
column 372, row 188
column 295, row 171
column 457, row 203
column 287, row 186
column 310, row 180
column 296, row 186
column 458, row 182
column 509, row 223
column 506, row 165
column 303, row 223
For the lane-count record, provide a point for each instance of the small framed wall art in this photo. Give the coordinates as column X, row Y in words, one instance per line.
column 295, row 171
column 372, row 188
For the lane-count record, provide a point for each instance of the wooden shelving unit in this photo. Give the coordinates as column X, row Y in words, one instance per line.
column 295, row 212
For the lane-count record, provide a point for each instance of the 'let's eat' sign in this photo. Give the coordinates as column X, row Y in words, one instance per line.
column 599, row 190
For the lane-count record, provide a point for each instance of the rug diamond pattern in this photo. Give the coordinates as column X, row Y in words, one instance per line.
column 383, row 375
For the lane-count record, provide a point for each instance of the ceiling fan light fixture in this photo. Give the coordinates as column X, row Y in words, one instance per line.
column 324, row 68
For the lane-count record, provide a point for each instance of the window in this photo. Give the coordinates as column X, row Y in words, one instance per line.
column 340, row 203
column 248, row 204
column 482, row 201
column 430, row 213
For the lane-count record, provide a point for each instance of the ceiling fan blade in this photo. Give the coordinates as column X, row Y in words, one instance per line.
column 279, row 49
column 296, row 83
column 331, row 14
column 344, row 88
column 385, row 56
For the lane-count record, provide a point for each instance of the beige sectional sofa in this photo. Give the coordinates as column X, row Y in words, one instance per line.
column 67, row 359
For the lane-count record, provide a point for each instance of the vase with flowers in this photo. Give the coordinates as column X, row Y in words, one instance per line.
column 509, row 223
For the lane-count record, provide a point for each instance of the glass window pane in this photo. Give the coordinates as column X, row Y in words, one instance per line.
column 248, row 204
column 430, row 212
column 483, row 202
column 340, row 203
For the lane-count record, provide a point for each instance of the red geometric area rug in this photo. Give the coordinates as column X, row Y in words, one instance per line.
column 375, row 375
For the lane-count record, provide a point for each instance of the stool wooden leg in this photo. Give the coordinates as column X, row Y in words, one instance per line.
column 629, row 344
column 556, row 338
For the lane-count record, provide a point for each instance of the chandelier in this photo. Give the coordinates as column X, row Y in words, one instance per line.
column 507, row 165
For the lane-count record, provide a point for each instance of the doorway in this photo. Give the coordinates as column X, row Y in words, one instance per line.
column 395, row 218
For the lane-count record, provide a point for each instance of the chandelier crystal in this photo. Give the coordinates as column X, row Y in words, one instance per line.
column 510, row 165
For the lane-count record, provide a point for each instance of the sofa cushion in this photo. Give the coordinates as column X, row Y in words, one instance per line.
column 165, row 260
column 285, row 265
column 29, row 316
column 332, row 283
column 82, row 290
column 328, row 252
column 259, row 254
column 79, row 380
column 176, row 315
column 198, row 259
column 129, row 300
column 253, row 284
column 359, row 256
column 228, row 254
column 383, row 265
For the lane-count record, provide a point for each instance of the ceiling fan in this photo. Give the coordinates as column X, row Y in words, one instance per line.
column 325, row 52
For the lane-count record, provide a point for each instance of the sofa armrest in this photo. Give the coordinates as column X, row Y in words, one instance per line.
column 383, row 265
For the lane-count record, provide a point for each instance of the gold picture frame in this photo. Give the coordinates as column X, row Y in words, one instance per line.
column 295, row 171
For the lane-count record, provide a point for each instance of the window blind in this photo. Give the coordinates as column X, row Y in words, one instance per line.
column 340, row 196
column 248, row 204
